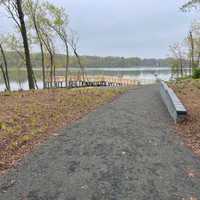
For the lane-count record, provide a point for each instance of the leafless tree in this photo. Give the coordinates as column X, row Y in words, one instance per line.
column 73, row 44
column 15, row 10
column 5, row 71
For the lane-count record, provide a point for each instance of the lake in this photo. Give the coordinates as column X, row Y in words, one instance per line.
column 146, row 75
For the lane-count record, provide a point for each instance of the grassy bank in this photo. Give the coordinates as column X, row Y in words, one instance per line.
column 188, row 91
column 28, row 118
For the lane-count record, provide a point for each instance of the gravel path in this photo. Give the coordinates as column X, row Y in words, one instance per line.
column 126, row 150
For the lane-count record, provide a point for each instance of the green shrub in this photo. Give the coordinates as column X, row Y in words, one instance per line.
column 196, row 73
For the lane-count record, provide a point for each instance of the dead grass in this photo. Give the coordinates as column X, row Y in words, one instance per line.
column 28, row 118
column 189, row 92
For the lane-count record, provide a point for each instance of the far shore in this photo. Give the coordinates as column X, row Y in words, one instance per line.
column 134, row 68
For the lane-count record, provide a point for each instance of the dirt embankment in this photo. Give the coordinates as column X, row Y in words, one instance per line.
column 189, row 92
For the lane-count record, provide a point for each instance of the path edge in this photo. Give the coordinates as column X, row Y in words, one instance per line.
column 175, row 107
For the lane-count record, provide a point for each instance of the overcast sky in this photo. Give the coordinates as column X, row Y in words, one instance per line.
column 143, row 28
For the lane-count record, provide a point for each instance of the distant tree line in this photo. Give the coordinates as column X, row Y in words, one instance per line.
column 90, row 61
column 37, row 24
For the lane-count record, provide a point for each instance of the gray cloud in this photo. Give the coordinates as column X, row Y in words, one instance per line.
column 142, row 28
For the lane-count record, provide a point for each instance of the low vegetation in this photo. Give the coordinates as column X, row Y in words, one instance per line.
column 27, row 118
column 196, row 73
column 188, row 91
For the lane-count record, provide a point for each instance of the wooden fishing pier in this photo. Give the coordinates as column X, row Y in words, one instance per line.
column 91, row 81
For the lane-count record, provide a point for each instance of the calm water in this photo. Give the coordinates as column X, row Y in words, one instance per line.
column 145, row 75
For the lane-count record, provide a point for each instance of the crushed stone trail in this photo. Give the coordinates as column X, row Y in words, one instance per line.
column 125, row 150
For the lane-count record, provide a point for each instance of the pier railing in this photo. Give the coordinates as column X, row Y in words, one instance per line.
column 90, row 81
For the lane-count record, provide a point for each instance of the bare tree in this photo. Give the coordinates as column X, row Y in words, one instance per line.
column 179, row 61
column 13, row 43
column 58, row 22
column 190, row 5
column 35, row 13
column 49, row 45
column 191, row 41
column 196, row 42
column 15, row 10
column 5, row 72
column 73, row 44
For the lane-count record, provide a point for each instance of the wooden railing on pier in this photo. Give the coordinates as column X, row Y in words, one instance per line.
column 91, row 81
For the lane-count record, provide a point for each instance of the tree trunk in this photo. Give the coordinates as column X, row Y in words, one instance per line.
column 66, row 64
column 4, row 76
column 192, row 49
column 181, row 66
column 43, row 66
column 198, row 59
column 190, row 67
column 41, row 49
column 6, row 68
column 51, row 70
column 81, row 66
column 26, row 45
column 54, row 69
